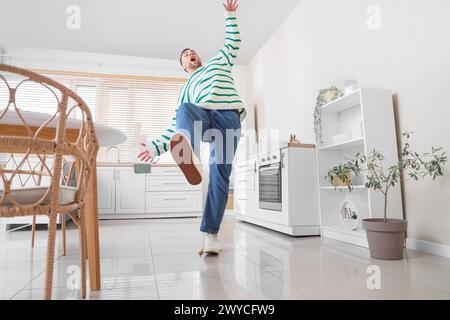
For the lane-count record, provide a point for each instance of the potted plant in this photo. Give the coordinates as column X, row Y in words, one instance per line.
column 340, row 176
column 323, row 97
column 386, row 237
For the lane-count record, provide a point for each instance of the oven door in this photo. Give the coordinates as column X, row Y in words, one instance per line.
column 270, row 193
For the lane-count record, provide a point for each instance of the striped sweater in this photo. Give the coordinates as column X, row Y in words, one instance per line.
column 210, row 87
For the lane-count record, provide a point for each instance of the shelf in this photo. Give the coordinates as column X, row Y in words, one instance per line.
column 342, row 145
column 340, row 233
column 358, row 187
column 343, row 229
column 343, row 103
column 354, row 116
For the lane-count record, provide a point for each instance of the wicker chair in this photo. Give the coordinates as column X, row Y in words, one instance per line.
column 67, row 176
column 35, row 152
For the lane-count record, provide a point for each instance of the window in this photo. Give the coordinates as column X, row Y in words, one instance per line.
column 142, row 107
column 89, row 94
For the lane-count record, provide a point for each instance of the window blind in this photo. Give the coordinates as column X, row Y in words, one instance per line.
column 142, row 107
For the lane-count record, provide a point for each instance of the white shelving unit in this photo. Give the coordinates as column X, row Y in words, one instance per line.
column 366, row 117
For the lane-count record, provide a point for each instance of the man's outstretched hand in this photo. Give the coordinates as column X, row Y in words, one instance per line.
column 145, row 155
column 231, row 5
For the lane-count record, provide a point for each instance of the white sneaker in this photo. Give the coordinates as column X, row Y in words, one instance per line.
column 212, row 244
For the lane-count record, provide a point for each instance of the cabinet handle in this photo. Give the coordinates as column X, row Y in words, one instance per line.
column 174, row 183
column 242, row 180
column 118, row 175
column 177, row 199
column 114, row 175
column 170, row 171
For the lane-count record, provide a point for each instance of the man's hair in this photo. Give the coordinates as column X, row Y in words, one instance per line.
column 181, row 55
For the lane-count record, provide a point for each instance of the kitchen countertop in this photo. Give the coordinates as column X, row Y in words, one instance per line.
column 130, row 164
column 282, row 147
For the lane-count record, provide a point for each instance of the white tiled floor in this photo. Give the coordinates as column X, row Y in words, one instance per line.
column 157, row 259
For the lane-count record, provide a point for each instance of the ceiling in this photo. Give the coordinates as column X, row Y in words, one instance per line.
column 144, row 28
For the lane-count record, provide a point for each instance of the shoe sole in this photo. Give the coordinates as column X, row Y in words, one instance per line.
column 190, row 171
column 210, row 251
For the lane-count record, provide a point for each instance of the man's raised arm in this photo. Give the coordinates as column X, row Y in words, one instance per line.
column 232, row 34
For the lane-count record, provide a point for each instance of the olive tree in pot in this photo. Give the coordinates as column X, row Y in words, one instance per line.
column 386, row 237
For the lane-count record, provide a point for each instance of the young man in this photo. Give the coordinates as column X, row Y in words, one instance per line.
column 210, row 110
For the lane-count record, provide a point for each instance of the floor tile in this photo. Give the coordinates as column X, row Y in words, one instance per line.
column 15, row 276
column 67, row 271
column 349, row 281
column 245, row 285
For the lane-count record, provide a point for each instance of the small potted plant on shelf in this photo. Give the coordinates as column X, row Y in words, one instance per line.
column 323, row 97
column 386, row 237
column 340, row 176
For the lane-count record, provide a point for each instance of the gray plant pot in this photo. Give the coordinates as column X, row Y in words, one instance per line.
column 386, row 238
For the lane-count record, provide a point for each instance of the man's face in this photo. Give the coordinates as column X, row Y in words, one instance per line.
column 191, row 60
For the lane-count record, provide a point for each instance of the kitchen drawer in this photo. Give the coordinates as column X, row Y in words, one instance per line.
column 245, row 181
column 165, row 171
column 252, row 165
column 241, row 202
column 240, row 167
column 173, row 202
column 169, row 183
column 249, row 165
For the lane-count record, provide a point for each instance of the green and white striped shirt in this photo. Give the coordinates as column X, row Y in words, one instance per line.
column 211, row 86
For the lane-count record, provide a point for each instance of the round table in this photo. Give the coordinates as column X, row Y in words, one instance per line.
column 106, row 136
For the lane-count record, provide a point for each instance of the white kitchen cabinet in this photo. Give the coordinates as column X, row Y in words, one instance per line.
column 298, row 213
column 106, row 187
column 168, row 192
column 162, row 193
column 120, row 191
column 130, row 191
column 245, row 180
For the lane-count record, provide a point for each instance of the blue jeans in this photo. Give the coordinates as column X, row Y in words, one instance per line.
column 221, row 129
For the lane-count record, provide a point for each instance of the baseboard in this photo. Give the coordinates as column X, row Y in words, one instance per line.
column 428, row 247
column 149, row 216
column 230, row 213
column 290, row 230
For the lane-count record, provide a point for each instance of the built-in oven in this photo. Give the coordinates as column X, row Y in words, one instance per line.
column 270, row 184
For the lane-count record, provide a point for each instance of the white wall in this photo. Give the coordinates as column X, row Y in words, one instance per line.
column 325, row 42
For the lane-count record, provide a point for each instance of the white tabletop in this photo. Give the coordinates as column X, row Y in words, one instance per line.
column 107, row 136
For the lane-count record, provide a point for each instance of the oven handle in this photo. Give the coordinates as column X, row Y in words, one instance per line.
column 269, row 167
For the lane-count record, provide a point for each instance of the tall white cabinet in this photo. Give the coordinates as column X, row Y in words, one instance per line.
column 359, row 122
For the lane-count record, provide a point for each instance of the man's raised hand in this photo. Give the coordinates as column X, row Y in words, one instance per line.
column 145, row 155
column 231, row 5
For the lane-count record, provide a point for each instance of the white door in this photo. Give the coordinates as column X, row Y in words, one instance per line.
column 106, row 188
column 130, row 191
